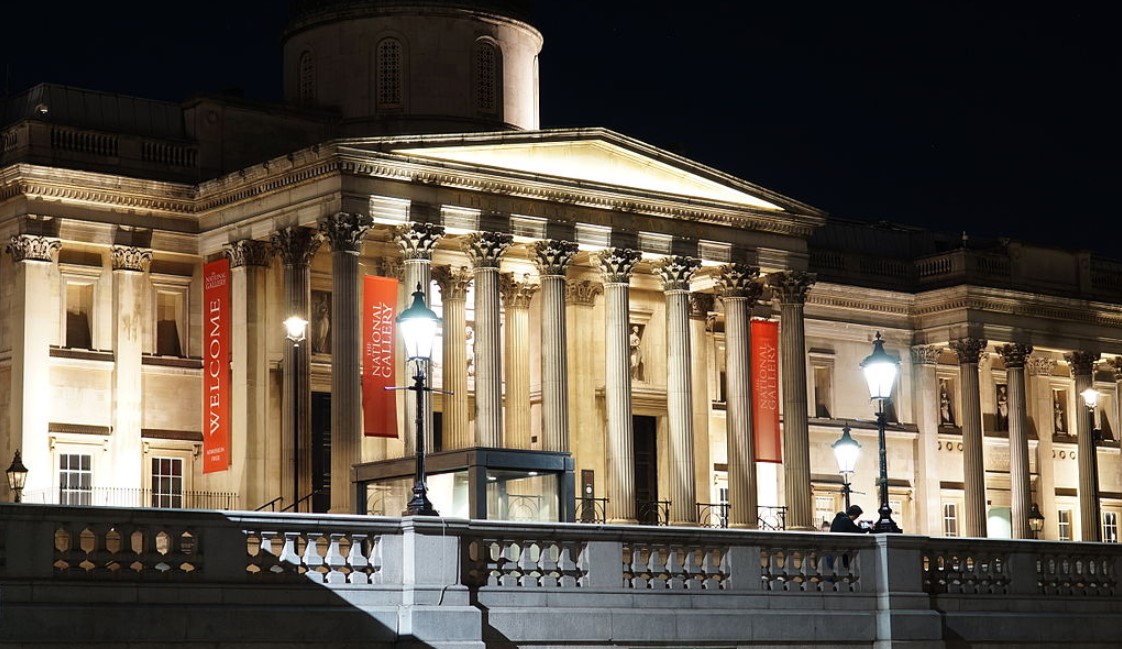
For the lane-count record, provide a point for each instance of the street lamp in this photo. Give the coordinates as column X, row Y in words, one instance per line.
column 17, row 477
column 296, row 329
column 846, row 450
column 418, row 326
column 1091, row 398
column 1035, row 521
column 880, row 373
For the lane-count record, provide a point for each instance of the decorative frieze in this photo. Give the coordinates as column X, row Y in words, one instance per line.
column 1081, row 363
column 345, row 230
column 616, row 264
column 553, row 257
column 1015, row 355
column 926, row 354
column 791, row 287
column 130, row 258
column 418, row 239
column 582, row 293
column 969, row 350
column 486, row 249
column 249, row 252
column 1040, row 366
column 296, row 245
column 702, row 305
column 453, row 283
column 28, row 247
column 516, row 294
column 676, row 272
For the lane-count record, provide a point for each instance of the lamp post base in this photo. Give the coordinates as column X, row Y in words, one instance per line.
column 420, row 505
column 885, row 524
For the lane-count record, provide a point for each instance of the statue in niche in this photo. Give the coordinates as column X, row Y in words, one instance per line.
column 635, row 355
column 946, row 416
column 1059, row 398
column 469, row 349
column 321, row 322
column 1001, row 409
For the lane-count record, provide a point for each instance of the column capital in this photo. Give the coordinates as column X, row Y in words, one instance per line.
column 969, row 350
column 516, row 294
column 345, row 230
column 453, row 283
column 926, row 354
column 616, row 264
column 130, row 258
column 296, row 245
column 30, row 247
column 1040, row 366
column 417, row 239
column 740, row 281
column 553, row 257
column 791, row 286
column 1015, row 355
column 249, row 252
column 1116, row 365
column 701, row 305
column 1081, row 363
column 486, row 249
column 676, row 272
column 582, row 293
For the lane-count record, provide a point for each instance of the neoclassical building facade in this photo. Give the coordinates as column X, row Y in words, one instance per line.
column 598, row 298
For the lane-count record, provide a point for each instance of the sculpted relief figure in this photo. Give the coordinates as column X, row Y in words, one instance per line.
column 636, row 354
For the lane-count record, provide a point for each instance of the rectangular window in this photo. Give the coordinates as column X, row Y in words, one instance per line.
column 170, row 329
column 79, row 312
column 825, row 507
column 1110, row 527
column 167, row 482
column 1063, row 521
column 950, row 519
column 823, row 391
column 75, row 479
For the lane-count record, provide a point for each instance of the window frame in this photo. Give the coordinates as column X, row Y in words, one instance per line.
column 83, row 276
column 180, row 287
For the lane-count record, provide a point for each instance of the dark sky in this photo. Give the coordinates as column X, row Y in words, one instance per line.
column 946, row 115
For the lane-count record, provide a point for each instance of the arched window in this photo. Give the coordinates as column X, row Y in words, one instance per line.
column 389, row 70
column 488, row 77
column 307, row 79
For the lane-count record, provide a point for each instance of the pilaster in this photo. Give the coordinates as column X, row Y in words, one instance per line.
column 130, row 287
column 1040, row 370
column 925, row 402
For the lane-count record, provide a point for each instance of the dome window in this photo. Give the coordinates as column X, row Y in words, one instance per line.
column 389, row 80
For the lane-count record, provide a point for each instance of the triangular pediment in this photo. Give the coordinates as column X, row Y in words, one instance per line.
column 594, row 161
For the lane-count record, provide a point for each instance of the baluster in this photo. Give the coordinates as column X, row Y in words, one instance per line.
column 640, row 579
column 548, row 566
column 712, row 581
column 692, row 571
column 356, row 560
column 376, row 562
column 656, row 569
column 508, row 563
column 583, row 566
column 335, row 560
column 566, row 567
column 527, row 566
column 726, row 568
column 288, row 553
column 674, row 570
column 312, row 561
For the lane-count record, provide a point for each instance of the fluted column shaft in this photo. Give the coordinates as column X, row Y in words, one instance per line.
column 1015, row 356
column 417, row 241
column 552, row 259
column 1040, row 370
column 296, row 246
column 675, row 273
column 791, row 288
column 739, row 291
column 969, row 352
column 516, row 300
column 1082, row 367
column 345, row 232
column 926, row 403
column 616, row 265
column 453, row 288
column 486, row 250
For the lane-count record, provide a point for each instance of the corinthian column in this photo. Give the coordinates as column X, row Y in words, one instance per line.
column 296, row 246
column 1082, row 367
column 1015, row 356
column 791, row 288
column 926, row 401
column 486, row 251
column 453, row 294
column 552, row 259
column 739, row 290
column 417, row 241
column 516, row 299
column 969, row 352
column 345, row 233
column 616, row 265
column 1040, row 370
column 675, row 273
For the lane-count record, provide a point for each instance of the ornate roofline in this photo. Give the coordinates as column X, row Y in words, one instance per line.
column 91, row 188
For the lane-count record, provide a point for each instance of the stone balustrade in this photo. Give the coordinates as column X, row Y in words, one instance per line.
column 192, row 578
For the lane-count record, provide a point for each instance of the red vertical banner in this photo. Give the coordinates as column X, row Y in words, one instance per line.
column 379, row 311
column 216, row 366
column 765, row 391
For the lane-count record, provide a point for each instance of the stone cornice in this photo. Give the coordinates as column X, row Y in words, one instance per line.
column 1028, row 306
column 89, row 188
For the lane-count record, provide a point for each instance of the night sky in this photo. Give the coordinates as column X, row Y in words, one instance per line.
column 946, row 115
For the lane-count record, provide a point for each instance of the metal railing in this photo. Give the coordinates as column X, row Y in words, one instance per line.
column 136, row 497
column 716, row 515
column 653, row 512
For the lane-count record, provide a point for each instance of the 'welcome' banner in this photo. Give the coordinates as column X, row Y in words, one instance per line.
column 379, row 405
column 216, row 366
column 765, row 391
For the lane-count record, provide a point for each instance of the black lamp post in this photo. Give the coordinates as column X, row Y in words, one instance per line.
column 296, row 329
column 1091, row 398
column 17, row 477
column 418, row 326
column 1035, row 521
column 846, row 450
column 880, row 372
